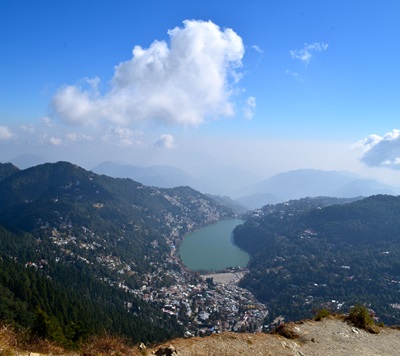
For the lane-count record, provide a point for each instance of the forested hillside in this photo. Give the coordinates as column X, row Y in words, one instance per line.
column 76, row 247
column 6, row 170
column 313, row 257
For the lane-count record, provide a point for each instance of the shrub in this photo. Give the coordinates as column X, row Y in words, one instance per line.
column 323, row 313
column 360, row 317
column 286, row 330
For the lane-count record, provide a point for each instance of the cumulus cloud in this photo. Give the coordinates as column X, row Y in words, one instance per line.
column 308, row 51
column 5, row 133
column 165, row 141
column 381, row 151
column 184, row 82
column 248, row 110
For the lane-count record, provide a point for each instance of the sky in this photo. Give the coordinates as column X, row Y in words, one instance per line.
column 265, row 86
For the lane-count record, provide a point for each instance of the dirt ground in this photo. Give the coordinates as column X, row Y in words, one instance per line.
column 329, row 337
column 224, row 278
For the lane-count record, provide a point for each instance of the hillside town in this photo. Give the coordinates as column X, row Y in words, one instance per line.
column 201, row 305
column 208, row 307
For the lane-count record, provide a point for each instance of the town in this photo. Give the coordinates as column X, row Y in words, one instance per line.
column 200, row 304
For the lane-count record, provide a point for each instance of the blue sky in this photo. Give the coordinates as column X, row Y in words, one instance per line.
column 267, row 86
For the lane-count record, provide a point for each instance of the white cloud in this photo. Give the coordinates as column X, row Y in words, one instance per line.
column 5, row 133
column 55, row 141
column 305, row 54
column 165, row 141
column 257, row 49
column 29, row 128
column 46, row 121
column 76, row 136
column 380, row 151
column 183, row 83
column 248, row 110
column 295, row 75
column 121, row 136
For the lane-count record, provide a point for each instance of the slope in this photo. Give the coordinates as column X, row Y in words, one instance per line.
column 329, row 257
column 100, row 239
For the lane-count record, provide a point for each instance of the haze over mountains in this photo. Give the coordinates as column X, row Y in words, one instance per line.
column 252, row 194
column 247, row 189
column 107, row 247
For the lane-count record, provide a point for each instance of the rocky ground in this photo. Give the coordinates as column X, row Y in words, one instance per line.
column 328, row 337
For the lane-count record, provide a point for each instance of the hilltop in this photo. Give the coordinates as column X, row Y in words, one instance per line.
column 327, row 337
column 331, row 336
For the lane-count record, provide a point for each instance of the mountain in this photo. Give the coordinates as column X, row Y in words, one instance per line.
column 6, row 170
column 257, row 200
column 229, row 203
column 310, row 183
column 82, row 252
column 27, row 160
column 306, row 255
column 217, row 180
column 227, row 180
column 159, row 176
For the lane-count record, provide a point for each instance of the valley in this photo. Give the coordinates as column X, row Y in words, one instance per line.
column 121, row 237
column 89, row 252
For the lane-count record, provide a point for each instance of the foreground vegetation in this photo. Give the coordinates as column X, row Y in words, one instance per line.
column 76, row 247
column 306, row 257
column 16, row 342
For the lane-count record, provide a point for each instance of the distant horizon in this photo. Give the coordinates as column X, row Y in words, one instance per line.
column 248, row 189
column 43, row 160
column 265, row 87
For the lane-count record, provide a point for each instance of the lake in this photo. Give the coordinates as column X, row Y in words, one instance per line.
column 211, row 248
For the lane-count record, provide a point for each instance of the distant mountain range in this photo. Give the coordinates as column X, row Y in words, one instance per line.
column 310, row 183
column 235, row 183
column 242, row 186
column 27, row 160
column 223, row 180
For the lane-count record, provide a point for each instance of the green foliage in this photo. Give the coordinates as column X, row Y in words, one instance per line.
column 47, row 327
column 305, row 256
column 7, row 170
column 321, row 314
column 360, row 317
column 69, row 238
column 286, row 330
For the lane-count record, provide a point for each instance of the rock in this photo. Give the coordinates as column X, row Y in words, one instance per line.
column 355, row 330
column 166, row 351
column 142, row 346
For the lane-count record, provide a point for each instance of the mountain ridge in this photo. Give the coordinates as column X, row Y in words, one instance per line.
column 310, row 183
column 101, row 236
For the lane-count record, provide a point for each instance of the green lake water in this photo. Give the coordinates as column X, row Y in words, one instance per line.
column 211, row 248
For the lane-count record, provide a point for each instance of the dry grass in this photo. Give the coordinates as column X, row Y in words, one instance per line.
column 286, row 330
column 13, row 343
column 108, row 345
